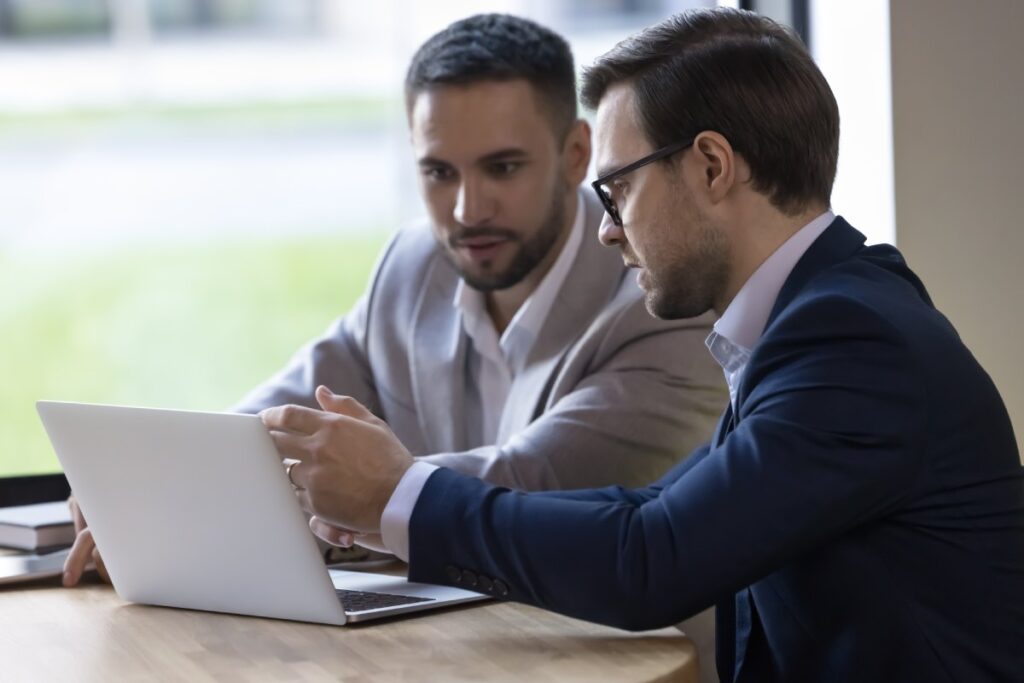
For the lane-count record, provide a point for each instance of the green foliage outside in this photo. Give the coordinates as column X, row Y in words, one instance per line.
column 235, row 118
column 188, row 326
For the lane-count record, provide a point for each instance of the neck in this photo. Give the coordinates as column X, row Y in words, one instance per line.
column 756, row 235
column 502, row 304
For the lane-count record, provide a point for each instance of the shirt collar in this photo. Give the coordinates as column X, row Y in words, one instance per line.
column 525, row 325
column 744, row 320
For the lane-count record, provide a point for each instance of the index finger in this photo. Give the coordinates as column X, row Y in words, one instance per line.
column 76, row 514
column 292, row 418
column 77, row 559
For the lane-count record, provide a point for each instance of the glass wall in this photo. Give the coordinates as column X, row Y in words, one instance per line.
column 193, row 188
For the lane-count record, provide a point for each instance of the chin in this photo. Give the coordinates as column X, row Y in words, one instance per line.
column 488, row 280
column 483, row 276
column 496, row 275
column 667, row 307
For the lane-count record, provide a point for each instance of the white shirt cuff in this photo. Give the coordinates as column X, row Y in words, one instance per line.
column 394, row 523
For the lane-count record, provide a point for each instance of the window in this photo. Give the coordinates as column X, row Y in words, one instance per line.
column 194, row 189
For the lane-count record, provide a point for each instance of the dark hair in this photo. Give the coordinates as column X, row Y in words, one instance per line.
column 499, row 47
column 739, row 74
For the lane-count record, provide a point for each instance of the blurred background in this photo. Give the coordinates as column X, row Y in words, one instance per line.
column 191, row 189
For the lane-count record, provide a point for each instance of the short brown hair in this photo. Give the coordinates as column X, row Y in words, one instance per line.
column 739, row 74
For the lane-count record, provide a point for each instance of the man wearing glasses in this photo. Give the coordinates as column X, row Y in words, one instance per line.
column 859, row 513
column 502, row 340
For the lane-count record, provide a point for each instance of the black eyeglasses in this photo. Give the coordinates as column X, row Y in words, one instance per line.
column 606, row 197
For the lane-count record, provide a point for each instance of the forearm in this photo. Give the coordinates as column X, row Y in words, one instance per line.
column 598, row 560
column 820, row 448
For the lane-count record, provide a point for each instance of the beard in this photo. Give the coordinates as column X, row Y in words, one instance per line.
column 684, row 282
column 529, row 251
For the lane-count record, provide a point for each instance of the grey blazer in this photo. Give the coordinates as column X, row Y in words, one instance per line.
column 608, row 395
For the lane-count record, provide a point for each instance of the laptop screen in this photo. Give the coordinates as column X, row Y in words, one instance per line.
column 36, row 488
column 33, row 477
column 29, row 470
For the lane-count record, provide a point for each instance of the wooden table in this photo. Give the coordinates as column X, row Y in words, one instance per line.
column 49, row 633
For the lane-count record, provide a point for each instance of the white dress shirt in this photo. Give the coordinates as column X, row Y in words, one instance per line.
column 494, row 362
column 493, row 365
column 737, row 332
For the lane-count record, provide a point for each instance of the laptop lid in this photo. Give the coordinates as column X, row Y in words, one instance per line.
column 194, row 510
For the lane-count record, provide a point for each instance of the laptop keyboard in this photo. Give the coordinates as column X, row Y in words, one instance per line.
column 358, row 601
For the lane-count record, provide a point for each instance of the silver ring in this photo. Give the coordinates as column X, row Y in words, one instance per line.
column 289, row 463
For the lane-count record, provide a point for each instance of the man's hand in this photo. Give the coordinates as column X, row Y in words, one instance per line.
column 349, row 461
column 82, row 551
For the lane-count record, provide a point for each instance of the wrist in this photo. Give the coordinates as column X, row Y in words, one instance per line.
column 391, row 484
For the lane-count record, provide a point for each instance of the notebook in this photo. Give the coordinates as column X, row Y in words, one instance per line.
column 31, row 527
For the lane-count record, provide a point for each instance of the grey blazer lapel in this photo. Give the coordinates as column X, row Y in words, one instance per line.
column 437, row 352
column 592, row 281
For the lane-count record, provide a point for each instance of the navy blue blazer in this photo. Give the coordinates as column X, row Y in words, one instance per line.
column 859, row 518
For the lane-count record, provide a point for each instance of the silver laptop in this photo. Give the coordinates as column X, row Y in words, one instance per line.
column 194, row 510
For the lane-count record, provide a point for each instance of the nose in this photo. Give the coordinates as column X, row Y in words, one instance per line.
column 472, row 205
column 609, row 233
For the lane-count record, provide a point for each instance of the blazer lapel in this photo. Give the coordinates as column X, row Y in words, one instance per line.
column 736, row 617
column 438, row 353
column 837, row 243
column 588, row 287
column 725, row 425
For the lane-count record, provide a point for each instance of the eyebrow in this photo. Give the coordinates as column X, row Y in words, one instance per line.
column 604, row 170
column 499, row 155
column 503, row 154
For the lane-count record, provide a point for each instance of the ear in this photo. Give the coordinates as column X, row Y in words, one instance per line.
column 716, row 161
column 576, row 152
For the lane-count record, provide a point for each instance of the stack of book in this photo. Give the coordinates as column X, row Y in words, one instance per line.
column 36, row 527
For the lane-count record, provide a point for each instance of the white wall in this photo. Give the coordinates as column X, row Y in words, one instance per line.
column 958, row 137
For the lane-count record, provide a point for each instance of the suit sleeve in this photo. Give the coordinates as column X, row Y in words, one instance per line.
column 653, row 398
column 829, row 438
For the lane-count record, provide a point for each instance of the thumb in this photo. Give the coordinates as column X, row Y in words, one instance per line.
column 343, row 405
column 327, row 399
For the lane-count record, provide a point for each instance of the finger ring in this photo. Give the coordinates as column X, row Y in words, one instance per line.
column 288, row 465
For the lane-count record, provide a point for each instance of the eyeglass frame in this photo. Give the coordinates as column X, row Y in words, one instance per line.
column 606, row 199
